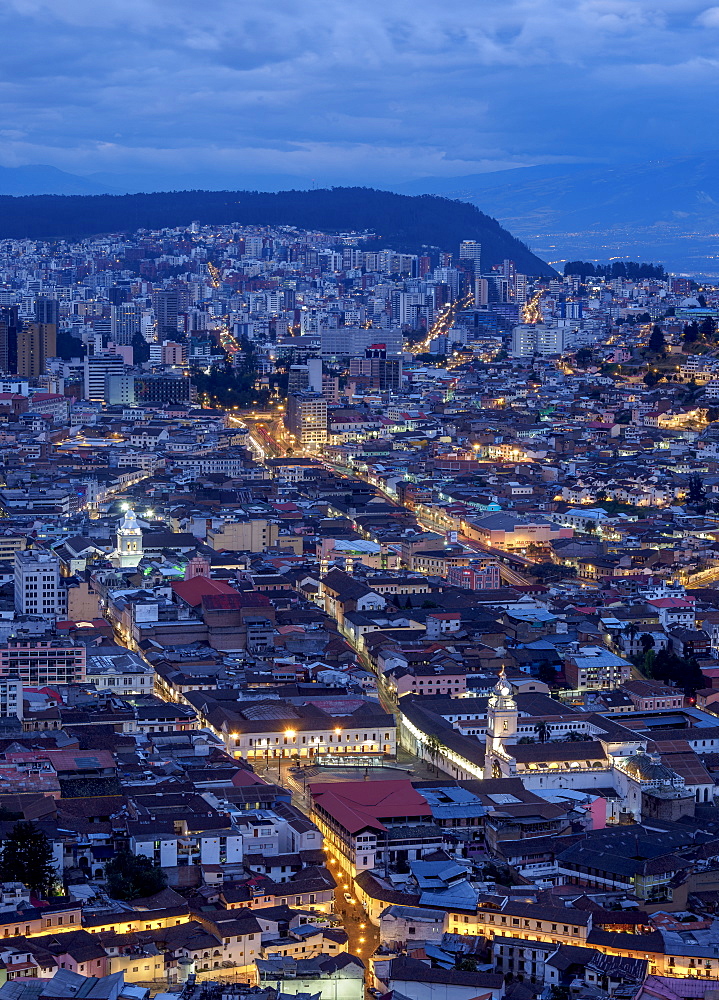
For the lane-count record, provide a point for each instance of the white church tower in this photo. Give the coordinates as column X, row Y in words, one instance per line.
column 502, row 715
column 128, row 551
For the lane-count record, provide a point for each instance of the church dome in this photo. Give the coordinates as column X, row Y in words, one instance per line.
column 648, row 767
column 129, row 523
column 502, row 696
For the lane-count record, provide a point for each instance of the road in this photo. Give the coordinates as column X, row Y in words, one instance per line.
column 363, row 936
column 265, row 442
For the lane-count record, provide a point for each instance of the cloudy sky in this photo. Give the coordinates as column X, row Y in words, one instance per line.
column 375, row 91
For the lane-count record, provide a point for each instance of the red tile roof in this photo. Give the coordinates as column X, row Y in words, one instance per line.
column 356, row 805
column 192, row 591
column 234, row 600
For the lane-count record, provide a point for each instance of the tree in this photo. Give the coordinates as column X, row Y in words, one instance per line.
column 542, row 731
column 708, row 328
column 548, row 571
column 435, row 749
column 130, row 876
column 140, row 349
column 691, row 332
column 647, row 641
column 27, row 857
column 657, row 342
column 547, row 673
column 696, row 491
column 631, row 269
column 68, row 347
column 647, row 666
column 650, row 379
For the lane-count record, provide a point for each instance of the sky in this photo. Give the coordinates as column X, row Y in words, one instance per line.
column 167, row 92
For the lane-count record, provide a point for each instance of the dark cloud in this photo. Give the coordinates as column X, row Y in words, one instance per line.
column 377, row 91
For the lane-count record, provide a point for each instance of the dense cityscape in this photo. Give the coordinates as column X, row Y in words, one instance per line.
column 359, row 622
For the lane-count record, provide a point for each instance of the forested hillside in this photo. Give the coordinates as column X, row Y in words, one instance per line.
column 400, row 221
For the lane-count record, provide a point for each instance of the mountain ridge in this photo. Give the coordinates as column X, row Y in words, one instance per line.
column 578, row 196
column 41, row 178
column 404, row 222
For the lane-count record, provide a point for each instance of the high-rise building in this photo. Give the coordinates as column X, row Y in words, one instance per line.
column 481, row 291
column 36, row 343
column 166, row 304
column 171, row 388
column 126, row 319
column 120, row 390
column 385, row 373
column 118, row 294
column 298, row 379
column 352, row 341
column 471, row 250
column 536, row 338
column 449, row 276
column 38, row 590
column 306, row 419
column 509, row 270
column 520, row 288
column 47, row 311
column 97, row 368
column 314, row 371
column 9, row 324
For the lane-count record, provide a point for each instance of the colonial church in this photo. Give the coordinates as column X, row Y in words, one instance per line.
column 128, row 547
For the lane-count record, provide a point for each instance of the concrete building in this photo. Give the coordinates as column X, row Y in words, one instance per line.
column 119, row 390
column 536, row 338
column 39, row 662
column 126, row 320
column 306, row 419
column 97, row 368
column 36, row 343
column 10, row 697
column 38, row 590
column 471, row 250
column 351, row 341
column 256, row 534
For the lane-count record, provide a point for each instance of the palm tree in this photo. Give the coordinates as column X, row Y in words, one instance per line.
column 647, row 641
column 435, row 749
column 632, row 630
column 542, row 731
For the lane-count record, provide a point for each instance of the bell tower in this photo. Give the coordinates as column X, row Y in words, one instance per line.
column 128, row 552
column 502, row 715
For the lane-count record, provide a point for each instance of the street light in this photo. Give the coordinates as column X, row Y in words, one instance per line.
column 289, row 734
